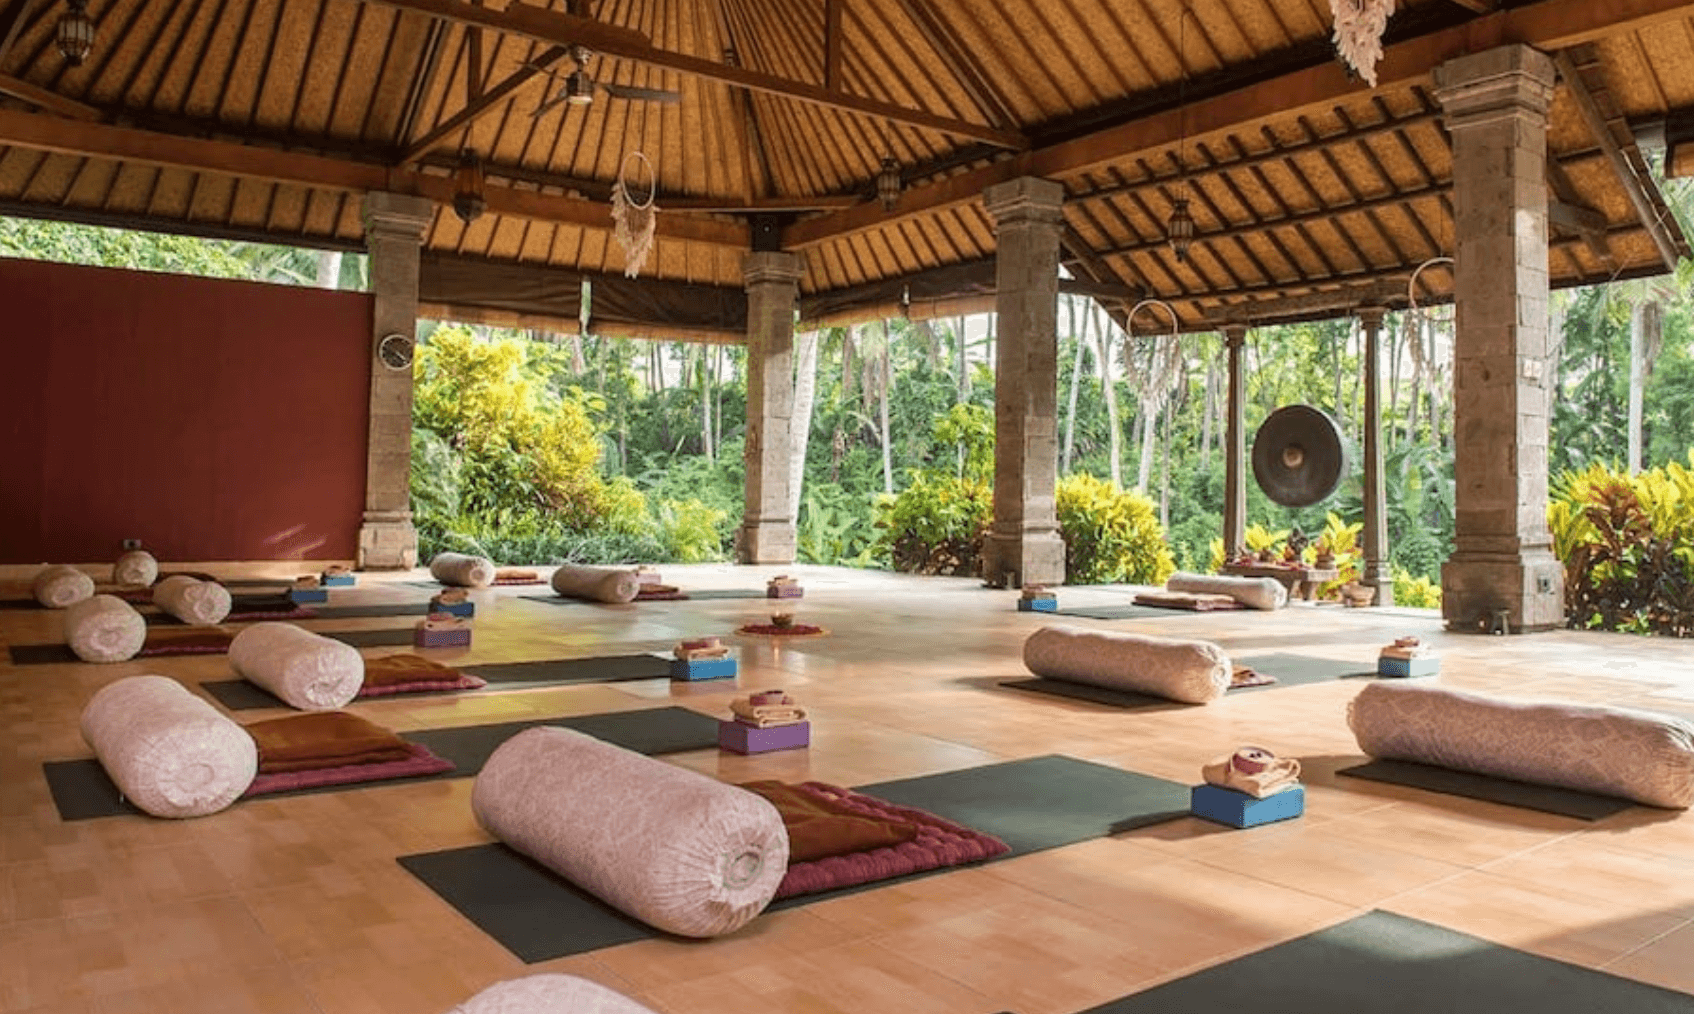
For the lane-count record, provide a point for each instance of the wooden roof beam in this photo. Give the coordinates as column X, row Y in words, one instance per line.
column 96, row 140
column 53, row 102
column 611, row 40
column 1548, row 24
column 1592, row 116
column 1479, row 6
column 485, row 103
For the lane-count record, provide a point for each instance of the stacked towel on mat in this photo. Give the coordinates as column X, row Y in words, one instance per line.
column 767, row 710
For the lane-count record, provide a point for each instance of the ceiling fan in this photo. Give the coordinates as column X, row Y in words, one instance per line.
column 577, row 88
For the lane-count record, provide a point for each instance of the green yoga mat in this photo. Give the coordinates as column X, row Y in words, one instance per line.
column 1031, row 805
column 1381, row 963
column 81, row 789
column 1289, row 670
column 1525, row 795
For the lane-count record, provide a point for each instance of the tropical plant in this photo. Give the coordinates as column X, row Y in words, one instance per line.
column 1112, row 536
column 936, row 525
column 1627, row 543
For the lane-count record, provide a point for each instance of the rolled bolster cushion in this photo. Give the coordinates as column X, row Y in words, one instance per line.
column 135, row 567
column 1635, row 755
column 1253, row 592
column 1192, row 672
column 549, row 994
column 171, row 753
column 680, row 851
column 59, row 586
column 603, row 584
column 305, row 670
column 195, row 602
column 104, row 628
column 461, row 570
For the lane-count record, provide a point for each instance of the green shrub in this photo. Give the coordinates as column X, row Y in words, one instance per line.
column 1417, row 592
column 690, row 531
column 1112, row 536
column 936, row 525
column 1627, row 543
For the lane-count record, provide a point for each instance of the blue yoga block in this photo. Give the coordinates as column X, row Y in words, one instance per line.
column 308, row 596
column 703, row 669
column 465, row 610
column 1238, row 809
column 338, row 581
column 1038, row 605
column 746, row 739
column 1408, row 666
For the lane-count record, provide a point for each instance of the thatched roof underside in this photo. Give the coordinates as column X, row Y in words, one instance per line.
column 268, row 119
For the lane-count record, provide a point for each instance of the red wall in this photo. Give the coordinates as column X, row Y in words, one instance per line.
column 213, row 420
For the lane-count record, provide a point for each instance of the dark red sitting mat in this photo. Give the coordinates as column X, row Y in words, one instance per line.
column 1194, row 602
column 936, row 844
column 322, row 739
column 420, row 761
column 413, row 674
column 185, row 641
column 660, row 593
column 517, row 577
column 820, row 826
column 792, row 630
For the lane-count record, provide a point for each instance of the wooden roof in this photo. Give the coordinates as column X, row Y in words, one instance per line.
column 269, row 119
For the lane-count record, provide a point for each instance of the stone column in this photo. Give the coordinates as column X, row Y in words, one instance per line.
column 1502, row 565
column 1024, row 545
column 1235, row 447
column 394, row 227
column 773, row 284
column 1375, row 573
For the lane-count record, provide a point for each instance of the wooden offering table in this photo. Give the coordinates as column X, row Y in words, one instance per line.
column 1301, row 581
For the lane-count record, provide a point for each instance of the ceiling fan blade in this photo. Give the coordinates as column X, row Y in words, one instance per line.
column 545, row 106
column 641, row 94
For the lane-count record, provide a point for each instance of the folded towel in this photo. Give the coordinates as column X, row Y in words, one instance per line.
column 767, row 710
column 508, row 575
column 442, row 621
column 393, row 670
column 700, row 648
column 325, row 739
column 307, row 581
column 1253, row 770
column 337, row 570
column 452, row 596
column 818, row 827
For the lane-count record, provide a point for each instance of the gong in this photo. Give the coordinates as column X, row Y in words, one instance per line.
column 1299, row 456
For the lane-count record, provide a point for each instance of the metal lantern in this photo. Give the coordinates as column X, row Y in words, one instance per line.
column 579, row 88
column 75, row 33
column 1179, row 229
column 888, row 184
column 468, row 201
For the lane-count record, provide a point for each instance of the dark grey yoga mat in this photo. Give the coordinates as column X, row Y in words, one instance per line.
column 1031, row 805
column 1129, row 612
column 1380, row 963
column 57, row 654
column 240, row 695
column 1544, row 798
column 1289, row 670
column 365, row 612
column 82, row 790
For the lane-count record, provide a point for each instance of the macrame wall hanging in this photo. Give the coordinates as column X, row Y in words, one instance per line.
column 634, row 219
column 1359, row 25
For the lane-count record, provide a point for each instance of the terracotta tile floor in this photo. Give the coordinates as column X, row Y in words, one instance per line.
column 296, row 905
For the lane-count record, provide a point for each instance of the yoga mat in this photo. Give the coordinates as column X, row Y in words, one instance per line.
column 1289, row 670
column 366, row 612
column 57, row 654
column 1033, row 804
column 1129, row 612
column 704, row 594
column 1528, row 796
column 240, row 695
column 1380, row 963
column 82, row 790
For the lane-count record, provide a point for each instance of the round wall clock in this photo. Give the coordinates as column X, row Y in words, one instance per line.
column 395, row 351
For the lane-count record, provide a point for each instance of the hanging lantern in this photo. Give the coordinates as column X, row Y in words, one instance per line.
column 468, row 201
column 1179, row 229
column 75, row 33
column 888, row 184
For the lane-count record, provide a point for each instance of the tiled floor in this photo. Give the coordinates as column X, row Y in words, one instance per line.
column 296, row 904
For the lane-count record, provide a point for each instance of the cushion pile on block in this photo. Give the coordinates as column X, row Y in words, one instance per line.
column 1634, row 755
column 1192, row 672
column 104, row 628
column 462, row 571
column 1252, row 592
column 59, row 586
column 171, row 753
column 193, row 601
column 549, row 994
column 682, row 852
column 305, row 670
column 602, row 584
column 136, row 567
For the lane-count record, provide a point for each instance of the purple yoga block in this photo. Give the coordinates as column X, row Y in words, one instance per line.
column 422, row 638
column 743, row 738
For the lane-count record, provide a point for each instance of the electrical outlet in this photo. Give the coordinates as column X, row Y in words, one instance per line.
column 132, row 544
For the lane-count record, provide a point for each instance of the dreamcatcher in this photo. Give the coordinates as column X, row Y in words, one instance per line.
column 633, row 219
column 1359, row 25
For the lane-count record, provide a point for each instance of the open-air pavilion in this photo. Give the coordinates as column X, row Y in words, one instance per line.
column 811, row 161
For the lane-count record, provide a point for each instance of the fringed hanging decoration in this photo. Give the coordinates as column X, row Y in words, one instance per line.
column 634, row 220
column 1359, row 25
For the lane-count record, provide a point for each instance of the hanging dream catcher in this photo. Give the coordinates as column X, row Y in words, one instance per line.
column 634, row 219
column 1359, row 25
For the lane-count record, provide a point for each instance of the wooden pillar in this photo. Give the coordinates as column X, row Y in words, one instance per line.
column 1375, row 572
column 767, row 527
column 1235, row 447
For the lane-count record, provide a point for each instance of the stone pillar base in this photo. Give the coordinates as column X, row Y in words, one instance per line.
column 1380, row 578
column 1530, row 589
column 766, row 542
column 387, row 544
column 1022, row 558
